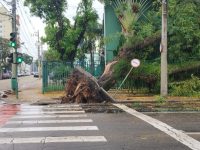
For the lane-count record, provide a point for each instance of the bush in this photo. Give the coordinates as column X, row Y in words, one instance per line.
column 160, row 99
column 186, row 88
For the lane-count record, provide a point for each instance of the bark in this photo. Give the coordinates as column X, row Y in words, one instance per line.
column 82, row 87
column 107, row 80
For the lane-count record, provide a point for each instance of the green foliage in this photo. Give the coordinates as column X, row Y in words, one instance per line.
column 147, row 74
column 60, row 72
column 51, row 55
column 129, row 13
column 61, row 35
column 50, row 11
column 5, row 50
column 136, row 105
column 121, row 68
column 160, row 99
column 186, row 88
column 184, row 30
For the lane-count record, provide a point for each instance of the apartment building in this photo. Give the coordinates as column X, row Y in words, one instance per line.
column 5, row 23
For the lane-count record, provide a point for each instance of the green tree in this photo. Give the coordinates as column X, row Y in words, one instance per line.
column 184, row 33
column 61, row 35
column 85, row 16
column 52, row 12
column 4, row 52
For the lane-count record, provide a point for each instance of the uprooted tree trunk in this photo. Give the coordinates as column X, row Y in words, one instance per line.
column 82, row 87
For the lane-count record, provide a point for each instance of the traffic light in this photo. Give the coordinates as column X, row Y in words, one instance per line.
column 13, row 39
column 10, row 58
column 19, row 58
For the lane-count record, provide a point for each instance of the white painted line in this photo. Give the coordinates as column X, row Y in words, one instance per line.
column 64, row 105
column 50, row 108
column 62, row 108
column 53, row 139
column 193, row 133
column 76, row 139
column 49, row 121
column 49, row 116
column 176, row 134
column 49, row 112
column 171, row 112
column 67, row 128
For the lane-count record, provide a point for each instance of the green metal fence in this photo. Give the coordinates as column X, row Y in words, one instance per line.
column 55, row 74
column 96, row 69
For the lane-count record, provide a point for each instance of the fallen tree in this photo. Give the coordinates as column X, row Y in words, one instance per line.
column 82, row 87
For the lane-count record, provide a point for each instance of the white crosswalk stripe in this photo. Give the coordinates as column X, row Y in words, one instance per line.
column 53, row 139
column 49, row 116
column 49, row 121
column 29, row 129
column 50, row 112
column 55, row 115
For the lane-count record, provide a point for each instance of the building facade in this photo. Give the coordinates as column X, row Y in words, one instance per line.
column 5, row 22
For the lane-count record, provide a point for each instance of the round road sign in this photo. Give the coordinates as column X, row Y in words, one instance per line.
column 135, row 63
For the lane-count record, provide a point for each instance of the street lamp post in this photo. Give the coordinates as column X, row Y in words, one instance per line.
column 39, row 56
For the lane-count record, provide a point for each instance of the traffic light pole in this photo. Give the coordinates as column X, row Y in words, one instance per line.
column 14, row 81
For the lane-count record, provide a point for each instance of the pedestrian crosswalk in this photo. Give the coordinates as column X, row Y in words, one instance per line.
column 33, row 121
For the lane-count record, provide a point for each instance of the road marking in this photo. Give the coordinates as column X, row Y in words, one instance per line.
column 50, row 112
column 50, row 121
column 176, row 134
column 171, row 112
column 193, row 133
column 52, row 109
column 65, row 105
column 31, row 129
column 49, row 106
column 49, row 116
column 53, row 139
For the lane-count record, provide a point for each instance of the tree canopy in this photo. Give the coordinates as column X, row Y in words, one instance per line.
column 62, row 35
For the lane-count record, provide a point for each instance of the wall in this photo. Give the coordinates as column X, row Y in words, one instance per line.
column 111, row 28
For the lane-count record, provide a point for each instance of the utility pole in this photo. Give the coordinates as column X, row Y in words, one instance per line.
column 14, row 81
column 39, row 57
column 163, row 50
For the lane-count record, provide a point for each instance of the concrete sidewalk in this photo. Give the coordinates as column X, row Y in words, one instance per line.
column 30, row 91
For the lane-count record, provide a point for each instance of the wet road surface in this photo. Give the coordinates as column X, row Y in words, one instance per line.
column 69, row 127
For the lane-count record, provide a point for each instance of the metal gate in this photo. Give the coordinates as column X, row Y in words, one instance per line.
column 54, row 75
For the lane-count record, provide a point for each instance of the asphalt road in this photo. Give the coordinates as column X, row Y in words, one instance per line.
column 55, row 128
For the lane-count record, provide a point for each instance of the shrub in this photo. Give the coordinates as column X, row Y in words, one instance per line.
column 186, row 88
